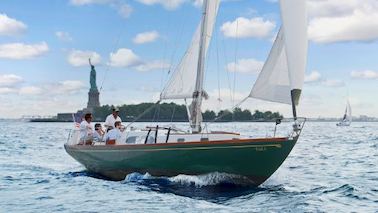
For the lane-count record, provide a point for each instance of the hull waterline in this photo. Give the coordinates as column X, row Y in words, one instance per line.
column 255, row 159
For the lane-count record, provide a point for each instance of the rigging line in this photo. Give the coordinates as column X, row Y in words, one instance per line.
column 175, row 45
column 145, row 112
column 173, row 113
column 235, row 66
column 225, row 64
column 116, row 44
column 165, row 52
column 218, row 68
column 229, row 111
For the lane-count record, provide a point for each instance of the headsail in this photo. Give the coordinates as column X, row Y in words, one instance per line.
column 273, row 83
column 281, row 79
column 183, row 80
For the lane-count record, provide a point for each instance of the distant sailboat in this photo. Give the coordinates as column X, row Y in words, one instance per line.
column 347, row 118
column 167, row 151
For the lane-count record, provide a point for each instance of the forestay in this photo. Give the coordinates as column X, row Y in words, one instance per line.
column 284, row 69
column 182, row 83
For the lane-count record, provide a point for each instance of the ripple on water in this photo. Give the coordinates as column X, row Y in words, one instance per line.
column 330, row 169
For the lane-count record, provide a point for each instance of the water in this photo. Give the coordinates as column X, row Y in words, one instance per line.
column 331, row 169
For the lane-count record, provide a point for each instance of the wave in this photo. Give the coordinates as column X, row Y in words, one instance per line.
column 211, row 179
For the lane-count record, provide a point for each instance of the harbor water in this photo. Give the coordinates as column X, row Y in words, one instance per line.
column 331, row 169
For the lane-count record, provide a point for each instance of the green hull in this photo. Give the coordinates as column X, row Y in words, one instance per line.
column 256, row 159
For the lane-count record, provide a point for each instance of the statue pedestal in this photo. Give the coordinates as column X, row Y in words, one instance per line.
column 93, row 99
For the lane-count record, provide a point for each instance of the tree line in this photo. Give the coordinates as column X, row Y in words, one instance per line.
column 166, row 112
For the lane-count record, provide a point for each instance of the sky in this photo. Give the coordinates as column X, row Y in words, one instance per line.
column 135, row 45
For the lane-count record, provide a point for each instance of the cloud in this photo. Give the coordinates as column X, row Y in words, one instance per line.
column 88, row 2
column 366, row 74
column 248, row 28
column 146, row 37
column 343, row 20
column 249, row 65
column 333, row 83
column 79, row 58
column 23, row 51
column 124, row 58
column 167, row 4
column 9, row 80
column 122, row 8
column 64, row 87
column 7, row 90
column 63, row 36
column 10, row 27
column 30, row 90
column 153, row 65
column 314, row 76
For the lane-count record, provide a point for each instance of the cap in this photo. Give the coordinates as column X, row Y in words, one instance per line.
column 115, row 109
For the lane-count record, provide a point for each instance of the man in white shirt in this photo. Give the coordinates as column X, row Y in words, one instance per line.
column 112, row 118
column 86, row 130
column 114, row 134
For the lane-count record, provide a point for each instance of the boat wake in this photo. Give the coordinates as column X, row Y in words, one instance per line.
column 214, row 187
column 211, row 179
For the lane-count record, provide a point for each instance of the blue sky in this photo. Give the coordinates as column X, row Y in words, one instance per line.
column 44, row 46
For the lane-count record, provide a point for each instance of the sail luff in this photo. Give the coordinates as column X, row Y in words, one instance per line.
column 294, row 19
column 196, row 115
column 182, row 82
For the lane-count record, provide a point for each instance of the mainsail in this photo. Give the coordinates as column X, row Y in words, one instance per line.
column 187, row 79
column 182, row 83
column 281, row 79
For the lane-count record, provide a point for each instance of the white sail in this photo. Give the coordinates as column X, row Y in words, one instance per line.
column 273, row 82
column 348, row 113
column 182, row 83
column 283, row 72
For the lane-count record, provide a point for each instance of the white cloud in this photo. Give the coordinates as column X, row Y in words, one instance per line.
column 65, row 87
column 87, row 2
column 63, row 36
column 248, row 28
column 153, row 65
column 10, row 27
column 30, row 90
column 7, row 90
column 343, row 20
column 249, row 65
column 10, row 80
column 123, row 9
column 167, row 4
column 23, row 51
column 333, row 83
column 366, row 74
column 79, row 58
column 314, row 76
column 146, row 37
column 124, row 58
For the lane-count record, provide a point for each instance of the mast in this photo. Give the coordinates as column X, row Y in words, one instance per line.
column 198, row 94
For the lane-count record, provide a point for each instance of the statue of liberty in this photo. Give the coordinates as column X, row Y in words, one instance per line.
column 93, row 94
column 93, row 77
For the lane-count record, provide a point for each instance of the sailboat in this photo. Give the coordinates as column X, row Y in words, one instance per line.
column 347, row 118
column 167, row 151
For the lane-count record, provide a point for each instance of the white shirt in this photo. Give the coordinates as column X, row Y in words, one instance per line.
column 110, row 120
column 97, row 136
column 113, row 134
column 86, row 129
